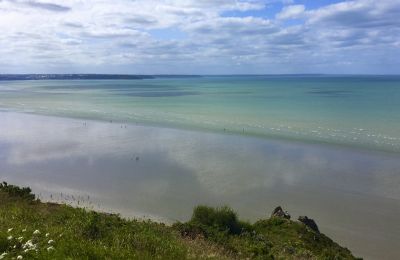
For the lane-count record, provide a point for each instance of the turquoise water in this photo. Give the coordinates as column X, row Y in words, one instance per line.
column 361, row 111
column 262, row 143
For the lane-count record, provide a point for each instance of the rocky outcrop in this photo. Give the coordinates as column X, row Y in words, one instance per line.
column 278, row 212
column 309, row 223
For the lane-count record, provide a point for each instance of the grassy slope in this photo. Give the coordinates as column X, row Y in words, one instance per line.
column 211, row 233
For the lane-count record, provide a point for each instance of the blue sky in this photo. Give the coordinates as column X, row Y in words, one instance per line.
column 200, row 36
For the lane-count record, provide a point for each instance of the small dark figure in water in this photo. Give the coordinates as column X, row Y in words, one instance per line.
column 137, row 158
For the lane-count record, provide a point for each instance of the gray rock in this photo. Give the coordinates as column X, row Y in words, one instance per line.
column 309, row 223
column 278, row 212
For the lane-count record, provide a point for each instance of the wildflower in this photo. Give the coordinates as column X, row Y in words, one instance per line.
column 9, row 230
column 20, row 239
column 29, row 245
column 19, row 257
column 3, row 255
column 23, row 230
column 51, row 241
column 36, row 232
column 47, row 234
column 50, row 248
column 9, row 237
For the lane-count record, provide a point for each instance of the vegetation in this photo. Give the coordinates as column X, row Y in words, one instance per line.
column 30, row 229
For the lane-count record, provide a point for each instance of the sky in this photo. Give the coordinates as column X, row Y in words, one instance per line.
column 200, row 36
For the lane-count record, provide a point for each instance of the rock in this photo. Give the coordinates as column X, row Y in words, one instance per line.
column 278, row 212
column 309, row 223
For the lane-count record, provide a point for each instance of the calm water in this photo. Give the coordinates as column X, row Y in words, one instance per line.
column 352, row 194
column 319, row 146
column 362, row 111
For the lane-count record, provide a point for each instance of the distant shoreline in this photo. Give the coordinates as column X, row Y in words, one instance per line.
column 96, row 76
column 6, row 77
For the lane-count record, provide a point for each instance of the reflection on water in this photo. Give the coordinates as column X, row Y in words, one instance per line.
column 163, row 173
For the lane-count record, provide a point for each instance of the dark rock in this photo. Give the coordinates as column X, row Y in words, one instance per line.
column 278, row 212
column 309, row 223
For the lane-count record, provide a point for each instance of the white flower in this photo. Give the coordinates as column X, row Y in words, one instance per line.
column 29, row 245
column 23, row 230
column 9, row 237
column 36, row 232
column 20, row 239
column 19, row 257
column 9, row 230
column 50, row 248
column 50, row 242
column 3, row 255
column 47, row 234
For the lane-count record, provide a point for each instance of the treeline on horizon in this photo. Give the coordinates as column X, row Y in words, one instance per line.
column 85, row 76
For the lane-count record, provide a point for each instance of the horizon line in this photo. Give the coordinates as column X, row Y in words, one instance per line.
column 184, row 74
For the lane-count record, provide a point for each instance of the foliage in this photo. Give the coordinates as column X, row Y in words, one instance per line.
column 36, row 230
column 15, row 191
column 222, row 219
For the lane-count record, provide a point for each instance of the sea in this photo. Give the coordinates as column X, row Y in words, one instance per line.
column 325, row 146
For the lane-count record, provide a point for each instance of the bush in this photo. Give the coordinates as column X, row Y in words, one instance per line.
column 222, row 219
column 97, row 226
column 15, row 191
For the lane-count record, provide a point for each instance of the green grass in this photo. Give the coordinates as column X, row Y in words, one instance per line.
column 212, row 233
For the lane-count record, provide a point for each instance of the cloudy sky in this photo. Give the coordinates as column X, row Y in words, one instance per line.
column 200, row 36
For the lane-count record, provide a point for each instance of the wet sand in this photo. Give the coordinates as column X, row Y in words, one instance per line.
column 162, row 173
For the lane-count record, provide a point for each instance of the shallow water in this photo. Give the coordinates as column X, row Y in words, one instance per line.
column 357, row 111
column 162, row 173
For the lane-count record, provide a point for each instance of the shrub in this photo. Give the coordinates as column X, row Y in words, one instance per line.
column 222, row 219
column 95, row 226
column 15, row 191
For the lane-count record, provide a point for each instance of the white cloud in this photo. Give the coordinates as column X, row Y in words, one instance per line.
column 148, row 36
column 291, row 12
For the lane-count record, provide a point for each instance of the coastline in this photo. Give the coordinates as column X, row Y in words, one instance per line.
column 182, row 168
